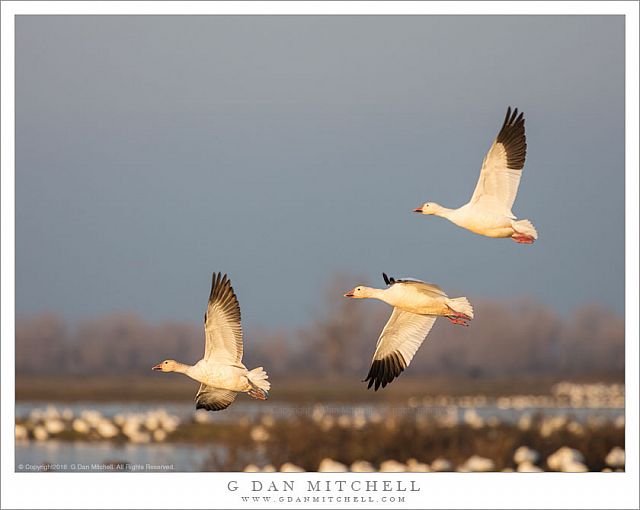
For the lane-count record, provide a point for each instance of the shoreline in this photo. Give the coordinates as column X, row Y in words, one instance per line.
column 139, row 388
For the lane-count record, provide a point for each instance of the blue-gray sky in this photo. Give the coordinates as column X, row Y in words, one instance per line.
column 151, row 151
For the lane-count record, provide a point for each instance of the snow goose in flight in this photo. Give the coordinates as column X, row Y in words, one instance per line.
column 488, row 213
column 416, row 305
column 220, row 372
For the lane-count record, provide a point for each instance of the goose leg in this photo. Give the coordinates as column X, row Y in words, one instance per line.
column 522, row 238
column 257, row 393
column 458, row 318
column 459, row 321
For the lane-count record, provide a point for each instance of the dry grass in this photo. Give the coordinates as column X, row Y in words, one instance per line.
column 175, row 387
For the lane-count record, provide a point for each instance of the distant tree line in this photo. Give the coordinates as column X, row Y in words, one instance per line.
column 520, row 337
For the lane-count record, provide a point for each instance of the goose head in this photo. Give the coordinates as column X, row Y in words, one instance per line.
column 168, row 365
column 428, row 208
column 359, row 292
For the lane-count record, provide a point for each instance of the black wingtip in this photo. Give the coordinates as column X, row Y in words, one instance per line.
column 216, row 279
column 389, row 280
column 222, row 291
column 512, row 136
column 383, row 371
column 218, row 282
column 507, row 116
column 211, row 407
column 512, row 117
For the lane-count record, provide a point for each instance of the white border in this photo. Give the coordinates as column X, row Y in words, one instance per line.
column 321, row 7
column 206, row 490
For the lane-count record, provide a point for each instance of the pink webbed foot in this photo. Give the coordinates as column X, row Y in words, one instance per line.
column 522, row 238
column 459, row 319
column 257, row 394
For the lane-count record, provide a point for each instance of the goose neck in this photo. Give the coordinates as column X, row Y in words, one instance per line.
column 183, row 369
column 445, row 212
column 378, row 294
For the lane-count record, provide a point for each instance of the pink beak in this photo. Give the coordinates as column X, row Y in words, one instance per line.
column 349, row 294
column 418, row 209
column 157, row 367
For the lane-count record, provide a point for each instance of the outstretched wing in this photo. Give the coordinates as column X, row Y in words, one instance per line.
column 214, row 399
column 502, row 166
column 400, row 339
column 222, row 328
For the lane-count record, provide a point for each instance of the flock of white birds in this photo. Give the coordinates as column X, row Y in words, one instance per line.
column 416, row 304
column 574, row 415
column 527, row 460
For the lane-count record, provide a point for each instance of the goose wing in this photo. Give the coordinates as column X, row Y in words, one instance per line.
column 400, row 339
column 431, row 289
column 425, row 287
column 502, row 166
column 222, row 328
column 214, row 399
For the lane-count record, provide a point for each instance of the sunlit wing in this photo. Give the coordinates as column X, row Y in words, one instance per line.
column 429, row 288
column 400, row 339
column 222, row 328
column 502, row 166
column 214, row 399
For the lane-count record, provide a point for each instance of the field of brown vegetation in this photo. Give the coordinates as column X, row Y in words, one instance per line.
column 407, row 438
column 174, row 387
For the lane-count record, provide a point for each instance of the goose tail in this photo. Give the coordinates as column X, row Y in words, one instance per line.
column 524, row 228
column 461, row 305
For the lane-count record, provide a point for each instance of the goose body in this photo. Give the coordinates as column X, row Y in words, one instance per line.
column 489, row 213
column 416, row 305
column 480, row 220
column 220, row 372
column 220, row 375
column 415, row 297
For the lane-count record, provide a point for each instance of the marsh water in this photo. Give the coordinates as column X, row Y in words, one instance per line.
column 92, row 456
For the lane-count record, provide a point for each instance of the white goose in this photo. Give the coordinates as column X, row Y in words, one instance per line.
column 488, row 213
column 221, row 372
column 416, row 306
